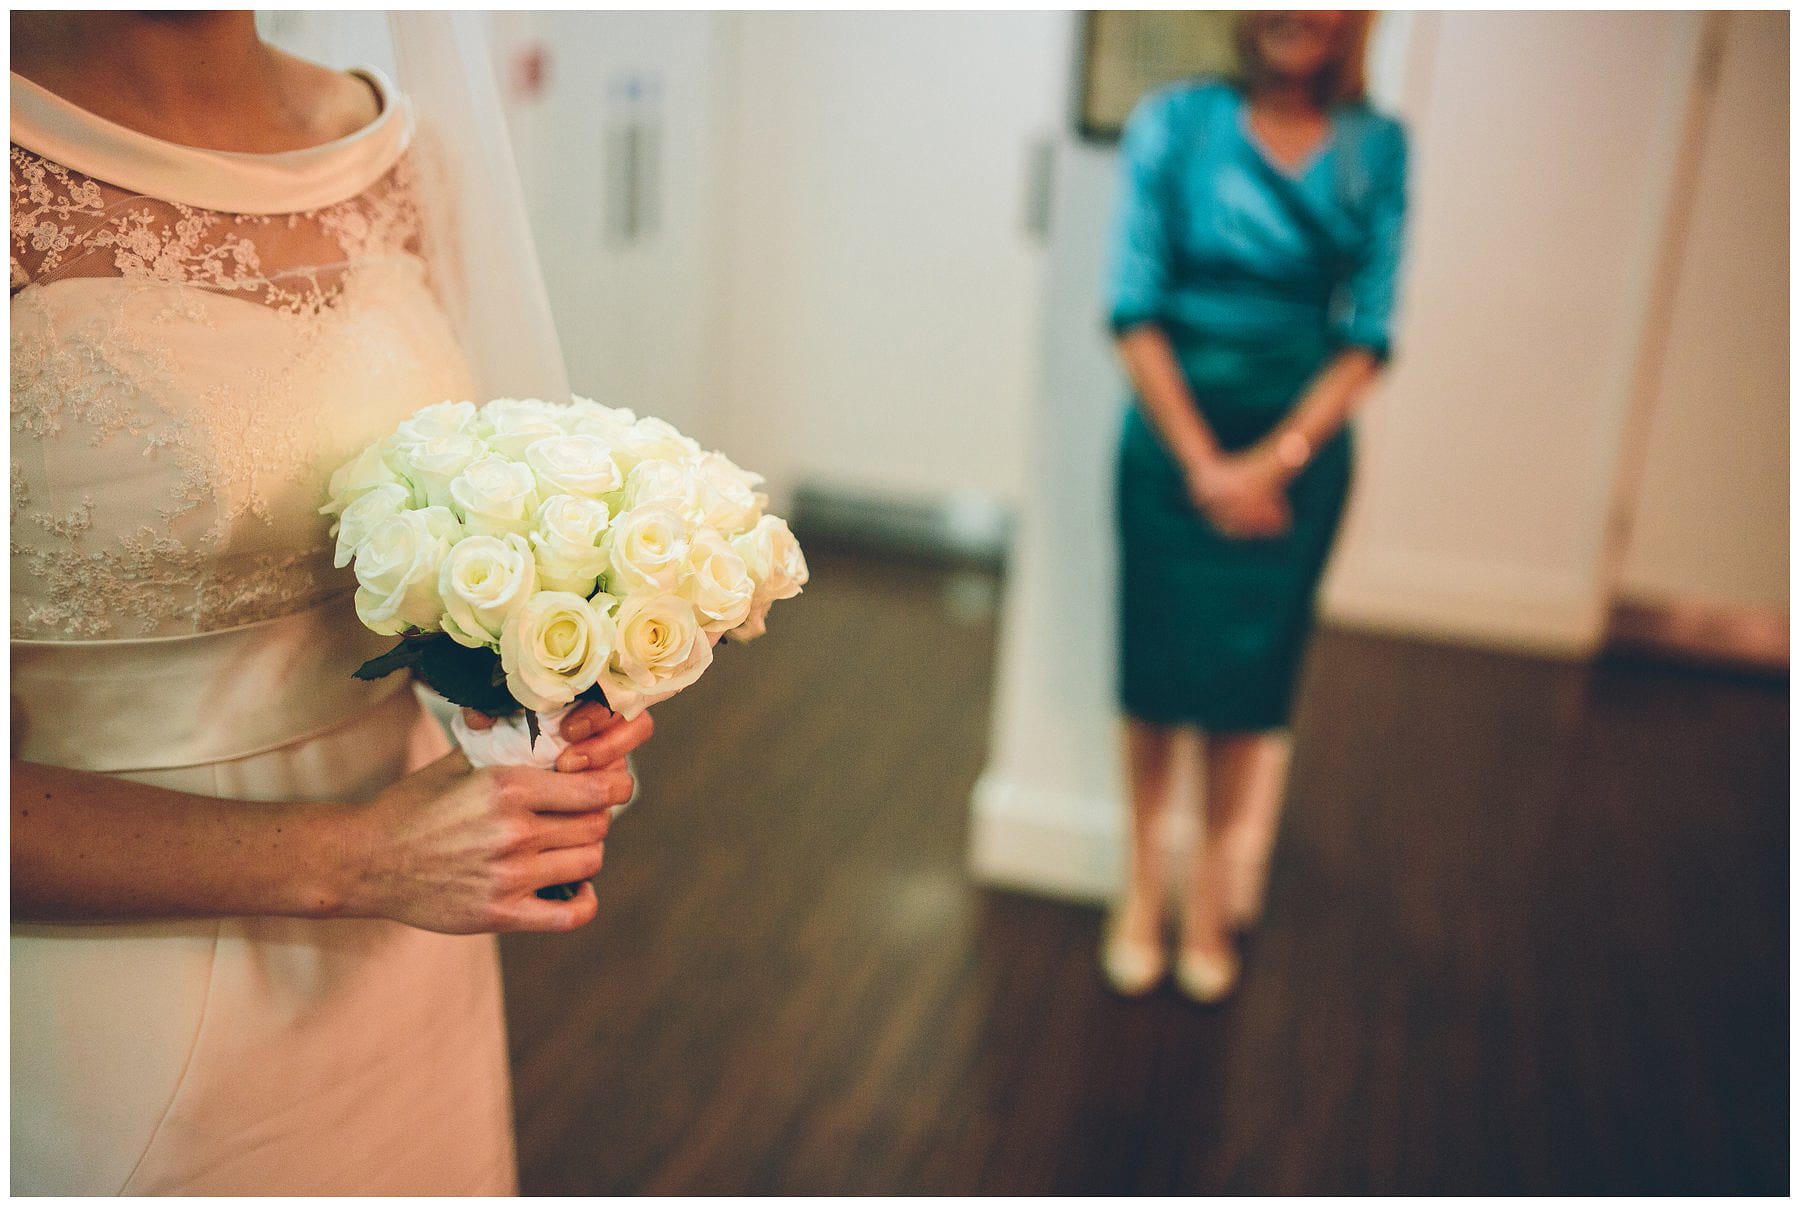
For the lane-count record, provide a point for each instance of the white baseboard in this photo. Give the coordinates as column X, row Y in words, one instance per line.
column 960, row 525
column 1054, row 844
column 1513, row 609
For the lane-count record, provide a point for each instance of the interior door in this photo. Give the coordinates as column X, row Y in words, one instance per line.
column 613, row 117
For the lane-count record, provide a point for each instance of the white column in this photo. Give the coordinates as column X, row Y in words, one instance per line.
column 1047, row 809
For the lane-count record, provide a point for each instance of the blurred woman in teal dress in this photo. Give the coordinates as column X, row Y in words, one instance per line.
column 1256, row 246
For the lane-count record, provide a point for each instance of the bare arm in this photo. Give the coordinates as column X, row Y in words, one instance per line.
column 1168, row 404
column 1323, row 409
column 443, row 849
column 89, row 847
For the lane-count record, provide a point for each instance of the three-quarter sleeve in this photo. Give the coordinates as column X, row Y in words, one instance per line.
column 1138, row 275
column 1373, row 286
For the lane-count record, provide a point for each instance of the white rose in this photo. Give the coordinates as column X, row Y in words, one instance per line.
column 432, row 463
column 397, row 570
column 569, row 535
column 646, row 549
column 510, row 424
column 438, row 419
column 650, row 439
column 585, row 417
column 484, row 580
column 495, row 496
column 661, row 649
column 774, row 559
column 717, row 582
column 720, row 463
column 573, row 465
column 362, row 516
column 725, row 495
column 554, row 647
column 357, row 477
column 668, row 484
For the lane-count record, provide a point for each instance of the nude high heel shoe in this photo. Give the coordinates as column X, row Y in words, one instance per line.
column 1131, row 969
column 1206, row 977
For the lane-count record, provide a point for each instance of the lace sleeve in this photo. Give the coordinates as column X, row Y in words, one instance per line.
column 53, row 212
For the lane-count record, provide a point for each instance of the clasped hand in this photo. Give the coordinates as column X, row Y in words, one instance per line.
column 460, row 851
column 1244, row 495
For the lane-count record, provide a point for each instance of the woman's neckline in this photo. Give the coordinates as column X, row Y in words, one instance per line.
column 368, row 76
column 1297, row 171
column 251, row 182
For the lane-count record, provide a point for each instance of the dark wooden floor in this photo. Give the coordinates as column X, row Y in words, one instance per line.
column 1527, row 933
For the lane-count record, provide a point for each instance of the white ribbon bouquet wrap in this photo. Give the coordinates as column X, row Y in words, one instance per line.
column 530, row 555
column 510, row 742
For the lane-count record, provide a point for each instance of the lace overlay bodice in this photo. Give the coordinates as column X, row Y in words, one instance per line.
column 185, row 377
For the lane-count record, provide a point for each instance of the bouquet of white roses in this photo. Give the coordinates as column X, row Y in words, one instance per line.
column 531, row 554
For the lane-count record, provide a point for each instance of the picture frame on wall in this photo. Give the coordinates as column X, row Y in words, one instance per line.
column 1126, row 53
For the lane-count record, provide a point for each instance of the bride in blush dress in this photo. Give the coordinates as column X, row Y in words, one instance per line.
column 254, row 898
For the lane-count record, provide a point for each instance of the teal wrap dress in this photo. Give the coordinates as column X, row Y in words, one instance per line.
column 1259, row 276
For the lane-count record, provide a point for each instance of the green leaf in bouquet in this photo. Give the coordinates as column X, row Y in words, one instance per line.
column 471, row 678
column 403, row 655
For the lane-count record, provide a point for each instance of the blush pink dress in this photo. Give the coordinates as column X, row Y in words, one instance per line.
column 198, row 338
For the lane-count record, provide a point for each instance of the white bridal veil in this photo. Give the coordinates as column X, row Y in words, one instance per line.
column 476, row 233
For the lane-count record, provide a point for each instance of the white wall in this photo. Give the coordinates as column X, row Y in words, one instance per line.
column 1544, row 150
column 840, row 288
column 1710, row 514
column 881, row 292
column 1543, row 147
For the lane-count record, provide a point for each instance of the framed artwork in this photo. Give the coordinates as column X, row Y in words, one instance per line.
column 1125, row 54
